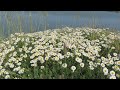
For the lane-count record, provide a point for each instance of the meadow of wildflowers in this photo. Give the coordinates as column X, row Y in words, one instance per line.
column 66, row 53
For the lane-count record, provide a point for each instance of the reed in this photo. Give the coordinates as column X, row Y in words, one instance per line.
column 20, row 25
column 30, row 17
column 45, row 19
column 1, row 28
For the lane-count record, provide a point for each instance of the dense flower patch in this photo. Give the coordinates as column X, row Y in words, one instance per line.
column 79, row 53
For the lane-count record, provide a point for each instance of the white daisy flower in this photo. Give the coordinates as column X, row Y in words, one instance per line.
column 11, row 65
column 82, row 65
column 42, row 67
column 115, row 54
column 20, row 49
column 41, row 59
column 46, row 58
column 102, row 65
column 34, row 65
column 21, row 71
column 112, row 77
column 60, row 62
column 90, row 63
column 30, row 48
column 111, row 62
column 19, row 63
column 112, row 73
column 68, row 53
column 73, row 68
column 7, row 76
column 17, row 69
column 64, row 65
column 14, row 54
column 118, row 62
column 1, row 67
column 56, row 58
column 91, row 67
column 105, row 70
column 79, row 60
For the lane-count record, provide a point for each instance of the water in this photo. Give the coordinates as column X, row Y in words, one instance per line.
column 41, row 20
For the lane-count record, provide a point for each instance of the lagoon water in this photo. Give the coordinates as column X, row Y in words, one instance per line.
column 40, row 20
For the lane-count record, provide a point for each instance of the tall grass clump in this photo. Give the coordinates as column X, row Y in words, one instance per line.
column 67, row 53
column 13, row 22
column 1, row 29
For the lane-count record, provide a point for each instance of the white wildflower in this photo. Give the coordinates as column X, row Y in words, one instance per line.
column 11, row 65
column 73, row 68
column 42, row 67
column 14, row 54
column 20, row 49
column 79, row 60
column 82, row 65
column 19, row 63
column 112, row 73
column 112, row 47
column 56, row 58
column 102, row 65
column 34, row 65
column 112, row 77
column 111, row 62
column 105, row 70
column 64, row 65
column 115, row 54
column 91, row 67
column 21, row 71
column 118, row 62
column 16, row 69
column 7, row 76
column 46, row 58
column 68, row 53
column 40, row 58
column 29, row 48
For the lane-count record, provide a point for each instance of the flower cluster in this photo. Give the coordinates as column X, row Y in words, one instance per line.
column 86, row 46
